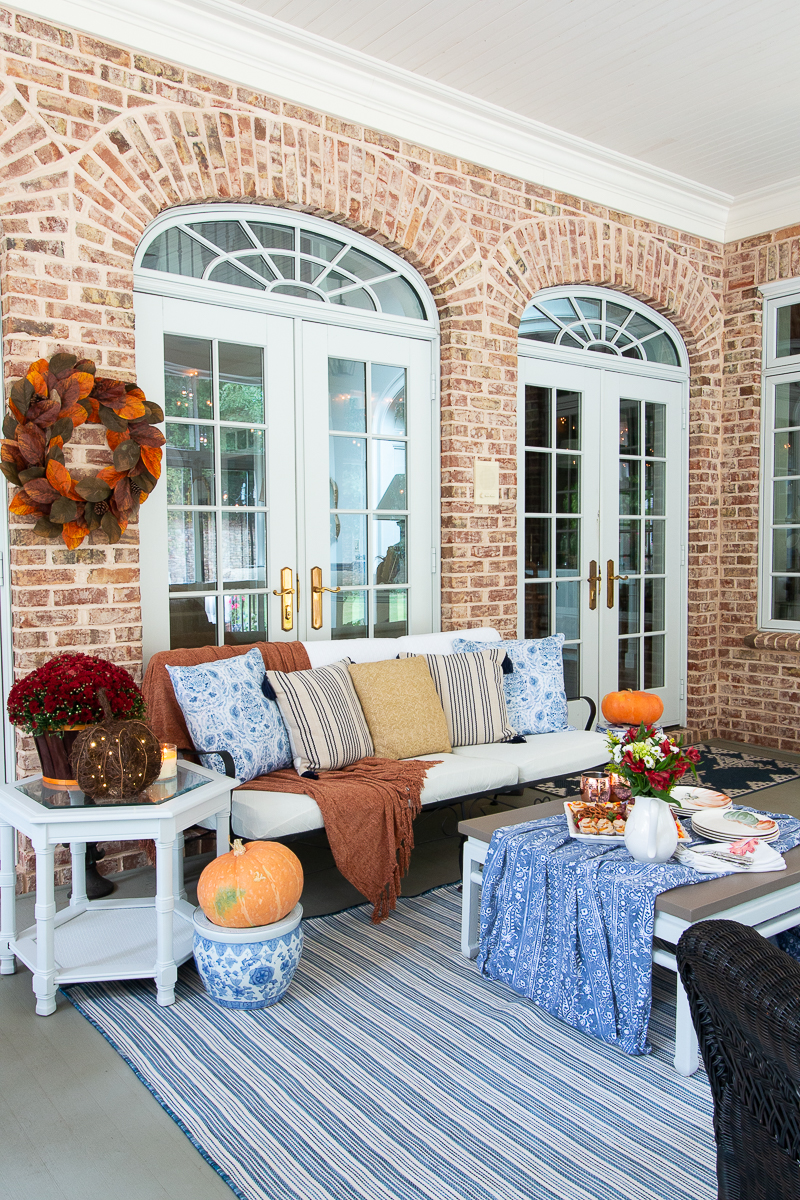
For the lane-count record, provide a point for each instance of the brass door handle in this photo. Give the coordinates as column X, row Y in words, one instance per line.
column 610, row 577
column 286, row 593
column 316, row 597
column 594, row 581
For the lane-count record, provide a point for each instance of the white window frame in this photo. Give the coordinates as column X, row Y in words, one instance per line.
column 775, row 370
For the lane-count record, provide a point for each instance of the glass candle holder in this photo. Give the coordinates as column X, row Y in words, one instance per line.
column 595, row 787
column 620, row 788
column 169, row 761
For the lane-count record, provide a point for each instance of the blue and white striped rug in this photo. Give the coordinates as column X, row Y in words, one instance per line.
column 392, row 1071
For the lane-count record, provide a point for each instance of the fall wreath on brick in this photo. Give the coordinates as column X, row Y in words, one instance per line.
column 44, row 410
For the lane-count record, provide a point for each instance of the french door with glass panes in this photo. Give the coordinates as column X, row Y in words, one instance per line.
column 298, row 499
column 603, row 513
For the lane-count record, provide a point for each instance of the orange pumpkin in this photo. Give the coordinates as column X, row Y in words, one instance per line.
column 631, row 708
column 256, row 883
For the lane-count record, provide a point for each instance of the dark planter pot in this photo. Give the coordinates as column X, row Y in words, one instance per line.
column 54, row 751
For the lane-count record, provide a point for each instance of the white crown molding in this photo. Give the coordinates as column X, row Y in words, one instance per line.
column 228, row 41
column 763, row 210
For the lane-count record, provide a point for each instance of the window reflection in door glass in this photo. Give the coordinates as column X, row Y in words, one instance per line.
column 653, row 605
column 349, row 615
column 537, row 546
column 243, row 476
column 654, row 662
column 187, row 377
column 347, row 390
column 192, row 550
column 787, row 453
column 568, row 484
column 389, row 543
column 568, row 609
column 655, row 436
column 788, row 330
column 654, row 533
column 391, row 613
column 568, row 545
column 629, row 427
column 568, row 420
column 241, row 383
column 190, row 464
column 348, row 549
column 628, row 605
column 786, row 495
column 389, row 474
column 244, row 550
column 787, row 404
column 628, row 673
column 348, row 472
column 629, row 487
column 388, row 400
column 629, row 547
column 537, row 482
column 537, row 610
column 572, row 671
column 245, row 619
column 192, row 621
column 537, row 416
column 786, row 550
column 654, row 488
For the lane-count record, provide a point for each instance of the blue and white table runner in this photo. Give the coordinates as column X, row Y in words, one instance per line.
column 569, row 924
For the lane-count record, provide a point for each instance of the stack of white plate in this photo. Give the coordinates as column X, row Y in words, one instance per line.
column 728, row 826
column 697, row 799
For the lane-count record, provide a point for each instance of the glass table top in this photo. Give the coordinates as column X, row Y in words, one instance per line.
column 186, row 780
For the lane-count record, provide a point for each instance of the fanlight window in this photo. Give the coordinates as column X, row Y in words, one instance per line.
column 284, row 260
column 602, row 326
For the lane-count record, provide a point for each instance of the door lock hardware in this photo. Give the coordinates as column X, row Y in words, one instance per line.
column 610, row 577
column 316, row 597
column 594, row 583
column 286, row 593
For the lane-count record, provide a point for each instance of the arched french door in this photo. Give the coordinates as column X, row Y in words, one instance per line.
column 295, row 362
column 603, row 502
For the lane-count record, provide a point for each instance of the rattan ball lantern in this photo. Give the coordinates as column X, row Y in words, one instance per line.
column 115, row 759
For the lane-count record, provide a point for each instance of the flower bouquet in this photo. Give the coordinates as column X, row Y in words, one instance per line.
column 649, row 761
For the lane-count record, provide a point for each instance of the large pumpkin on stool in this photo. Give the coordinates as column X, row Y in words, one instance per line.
column 256, row 883
column 115, row 759
column 632, row 708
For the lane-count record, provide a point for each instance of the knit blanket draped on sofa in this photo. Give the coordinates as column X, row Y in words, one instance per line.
column 368, row 808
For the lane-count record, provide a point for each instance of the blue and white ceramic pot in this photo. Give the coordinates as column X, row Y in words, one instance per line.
column 247, row 968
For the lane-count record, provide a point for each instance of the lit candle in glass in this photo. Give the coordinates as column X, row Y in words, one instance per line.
column 595, row 787
column 169, row 761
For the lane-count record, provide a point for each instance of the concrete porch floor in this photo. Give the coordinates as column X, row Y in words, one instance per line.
column 76, row 1121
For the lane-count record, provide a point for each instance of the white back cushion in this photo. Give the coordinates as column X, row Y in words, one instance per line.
column 363, row 650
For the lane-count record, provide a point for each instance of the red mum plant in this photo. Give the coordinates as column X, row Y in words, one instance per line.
column 63, row 692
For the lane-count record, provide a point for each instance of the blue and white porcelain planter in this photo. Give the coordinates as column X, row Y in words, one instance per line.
column 247, row 968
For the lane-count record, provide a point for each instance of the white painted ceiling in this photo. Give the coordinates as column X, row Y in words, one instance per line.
column 708, row 89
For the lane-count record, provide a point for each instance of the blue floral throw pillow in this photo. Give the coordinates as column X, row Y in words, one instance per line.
column 534, row 690
column 225, row 709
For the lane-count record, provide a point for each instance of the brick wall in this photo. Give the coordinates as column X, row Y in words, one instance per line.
column 96, row 140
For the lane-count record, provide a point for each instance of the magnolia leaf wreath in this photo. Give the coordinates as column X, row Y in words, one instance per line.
column 44, row 410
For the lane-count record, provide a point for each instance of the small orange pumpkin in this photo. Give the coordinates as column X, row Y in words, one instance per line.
column 256, row 883
column 631, row 708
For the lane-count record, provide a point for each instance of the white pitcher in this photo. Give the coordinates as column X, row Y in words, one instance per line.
column 651, row 834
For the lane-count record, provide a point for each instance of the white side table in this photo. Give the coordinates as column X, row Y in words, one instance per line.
column 138, row 938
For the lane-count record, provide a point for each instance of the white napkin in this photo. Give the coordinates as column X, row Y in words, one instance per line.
column 702, row 859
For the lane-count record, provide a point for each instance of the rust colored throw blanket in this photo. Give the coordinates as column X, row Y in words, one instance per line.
column 368, row 808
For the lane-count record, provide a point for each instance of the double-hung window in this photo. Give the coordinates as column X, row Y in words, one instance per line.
column 780, row 491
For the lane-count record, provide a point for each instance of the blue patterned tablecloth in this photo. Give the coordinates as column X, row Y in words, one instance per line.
column 569, row 924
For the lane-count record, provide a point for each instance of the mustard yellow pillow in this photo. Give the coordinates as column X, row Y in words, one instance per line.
column 402, row 707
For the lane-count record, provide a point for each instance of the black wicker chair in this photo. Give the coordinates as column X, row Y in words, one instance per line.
column 744, row 996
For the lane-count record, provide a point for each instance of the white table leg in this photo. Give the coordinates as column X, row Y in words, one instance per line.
column 8, row 899
column 44, row 977
column 686, row 1048
column 166, row 972
column 78, row 894
column 177, row 868
column 470, row 902
column 223, row 832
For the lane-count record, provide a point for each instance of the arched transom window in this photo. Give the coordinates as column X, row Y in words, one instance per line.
column 592, row 322
column 283, row 259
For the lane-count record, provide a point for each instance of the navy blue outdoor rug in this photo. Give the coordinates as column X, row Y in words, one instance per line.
column 392, row 1071
column 727, row 771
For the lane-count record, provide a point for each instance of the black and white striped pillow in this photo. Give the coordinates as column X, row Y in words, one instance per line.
column 470, row 687
column 320, row 708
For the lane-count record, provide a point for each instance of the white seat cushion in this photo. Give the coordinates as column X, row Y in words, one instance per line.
column 544, row 755
column 364, row 650
column 267, row 815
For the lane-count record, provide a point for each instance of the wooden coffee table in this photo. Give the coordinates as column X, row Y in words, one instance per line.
column 769, row 902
